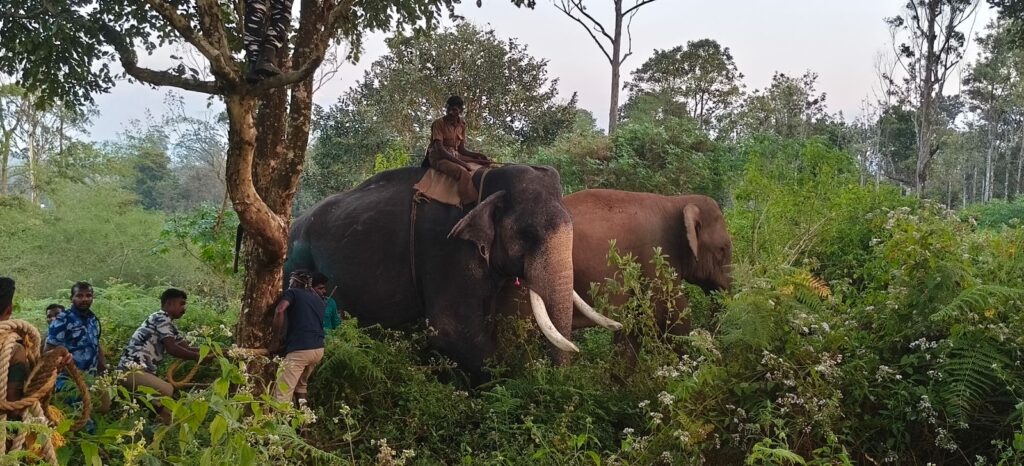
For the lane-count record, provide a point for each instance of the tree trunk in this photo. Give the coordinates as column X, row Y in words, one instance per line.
column 33, row 160
column 263, row 173
column 949, row 194
column 923, row 155
column 260, row 224
column 5, row 158
column 616, row 63
column 963, row 202
column 989, row 173
column 974, row 185
column 1020, row 167
column 1006, row 176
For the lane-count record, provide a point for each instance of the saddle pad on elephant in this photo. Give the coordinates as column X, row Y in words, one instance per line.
column 436, row 186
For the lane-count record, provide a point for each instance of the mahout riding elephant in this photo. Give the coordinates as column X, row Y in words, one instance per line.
column 689, row 229
column 395, row 261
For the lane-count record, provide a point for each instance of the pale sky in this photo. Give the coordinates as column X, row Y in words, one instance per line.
column 838, row 39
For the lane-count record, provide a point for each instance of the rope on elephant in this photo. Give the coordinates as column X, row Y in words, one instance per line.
column 34, row 402
column 234, row 353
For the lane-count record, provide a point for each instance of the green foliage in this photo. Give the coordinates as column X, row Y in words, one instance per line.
column 38, row 54
column 698, row 81
column 668, row 157
column 512, row 106
column 207, row 234
column 92, row 232
column 974, row 369
column 996, row 214
column 790, row 107
column 392, row 157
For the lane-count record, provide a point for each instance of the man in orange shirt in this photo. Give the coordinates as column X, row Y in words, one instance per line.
column 447, row 152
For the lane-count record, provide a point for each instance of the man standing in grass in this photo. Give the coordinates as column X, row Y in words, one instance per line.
column 302, row 309
column 156, row 336
column 78, row 330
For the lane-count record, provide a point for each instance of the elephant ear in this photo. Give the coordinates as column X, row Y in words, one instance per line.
column 478, row 225
column 691, row 218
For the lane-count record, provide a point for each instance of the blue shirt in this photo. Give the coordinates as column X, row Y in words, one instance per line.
column 305, row 317
column 78, row 331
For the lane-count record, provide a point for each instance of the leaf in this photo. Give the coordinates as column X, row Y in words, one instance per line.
column 217, row 428
column 92, row 454
column 247, row 455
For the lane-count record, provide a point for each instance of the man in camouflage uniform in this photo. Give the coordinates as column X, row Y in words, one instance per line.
column 266, row 31
column 151, row 340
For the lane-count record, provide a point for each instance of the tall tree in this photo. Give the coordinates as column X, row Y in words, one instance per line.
column 989, row 88
column 610, row 43
column 40, row 133
column 10, row 123
column 513, row 107
column 72, row 63
column 789, row 107
column 932, row 46
column 700, row 78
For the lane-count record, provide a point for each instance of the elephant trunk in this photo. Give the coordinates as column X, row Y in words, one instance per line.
column 549, row 276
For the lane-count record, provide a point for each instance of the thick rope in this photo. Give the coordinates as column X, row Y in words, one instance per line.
column 35, row 399
column 237, row 353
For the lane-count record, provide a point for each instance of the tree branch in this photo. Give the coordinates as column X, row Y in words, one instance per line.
column 260, row 221
column 181, row 25
column 212, row 26
column 130, row 63
column 589, row 31
column 629, row 35
column 637, row 6
column 600, row 27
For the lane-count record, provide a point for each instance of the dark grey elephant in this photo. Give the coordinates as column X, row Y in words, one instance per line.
column 394, row 263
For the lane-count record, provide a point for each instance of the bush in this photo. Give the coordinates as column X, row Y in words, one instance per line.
column 674, row 157
column 96, row 233
column 996, row 214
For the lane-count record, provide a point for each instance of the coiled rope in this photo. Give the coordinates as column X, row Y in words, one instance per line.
column 235, row 353
column 35, row 399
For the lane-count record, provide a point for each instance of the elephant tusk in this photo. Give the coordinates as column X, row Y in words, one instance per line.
column 540, row 312
column 593, row 315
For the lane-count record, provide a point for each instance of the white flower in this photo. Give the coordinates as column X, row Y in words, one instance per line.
column 643, row 404
column 666, row 398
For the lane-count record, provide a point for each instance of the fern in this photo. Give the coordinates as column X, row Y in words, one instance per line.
column 808, row 281
column 771, row 452
column 977, row 299
column 972, row 370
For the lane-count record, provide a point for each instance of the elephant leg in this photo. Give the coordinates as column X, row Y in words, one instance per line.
column 463, row 333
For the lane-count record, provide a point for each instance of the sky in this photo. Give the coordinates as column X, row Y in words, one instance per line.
column 840, row 40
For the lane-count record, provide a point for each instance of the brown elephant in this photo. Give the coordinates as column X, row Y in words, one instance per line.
column 689, row 229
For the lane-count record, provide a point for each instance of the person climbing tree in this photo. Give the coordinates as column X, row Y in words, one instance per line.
column 266, row 30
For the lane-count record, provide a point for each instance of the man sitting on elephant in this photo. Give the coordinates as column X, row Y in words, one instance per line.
column 447, row 152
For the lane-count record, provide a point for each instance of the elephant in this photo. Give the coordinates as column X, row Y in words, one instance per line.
column 396, row 261
column 689, row 229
